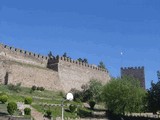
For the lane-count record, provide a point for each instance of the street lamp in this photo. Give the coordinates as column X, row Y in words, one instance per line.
column 69, row 97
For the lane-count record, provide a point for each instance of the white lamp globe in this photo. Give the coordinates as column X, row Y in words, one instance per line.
column 69, row 96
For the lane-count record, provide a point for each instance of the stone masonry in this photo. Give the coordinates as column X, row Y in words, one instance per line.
column 136, row 72
column 27, row 68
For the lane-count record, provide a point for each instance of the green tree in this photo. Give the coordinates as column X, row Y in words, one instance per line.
column 3, row 98
column 124, row 95
column 95, row 88
column 28, row 100
column 11, row 108
column 102, row 65
column 92, row 104
column 92, row 91
column 65, row 54
column 50, row 55
column 85, row 60
column 80, row 59
column 153, row 97
column 27, row 111
column 158, row 75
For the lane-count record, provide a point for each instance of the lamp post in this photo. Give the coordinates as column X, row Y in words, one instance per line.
column 69, row 97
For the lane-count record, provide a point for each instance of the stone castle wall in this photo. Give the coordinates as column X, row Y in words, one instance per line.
column 74, row 75
column 29, row 75
column 15, row 54
column 136, row 72
column 19, row 66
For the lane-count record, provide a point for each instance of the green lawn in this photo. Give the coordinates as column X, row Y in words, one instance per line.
column 3, row 109
column 39, row 98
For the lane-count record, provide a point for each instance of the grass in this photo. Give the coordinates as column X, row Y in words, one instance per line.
column 3, row 109
column 26, row 92
column 56, row 111
column 39, row 98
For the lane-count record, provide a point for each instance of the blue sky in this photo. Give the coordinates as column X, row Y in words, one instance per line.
column 92, row 29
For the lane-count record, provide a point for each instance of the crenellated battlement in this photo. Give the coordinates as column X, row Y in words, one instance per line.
column 24, row 52
column 31, row 69
column 34, row 56
column 76, row 62
column 133, row 68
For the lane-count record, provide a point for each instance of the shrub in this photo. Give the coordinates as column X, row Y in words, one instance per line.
column 34, row 88
column 41, row 88
column 11, row 107
column 27, row 111
column 28, row 100
column 2, row 93
column 72, row 108
column 62, row 94
column 3, row 98
column 48, row 113
column 16, row 88
column 38, row 88
column 77, row 94
column 84, row 113
column 92, row 104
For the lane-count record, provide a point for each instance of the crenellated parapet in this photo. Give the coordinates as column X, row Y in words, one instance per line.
column 31, row 69
column 23, row 52
column 50, row 63
column 133, row 68
column 75, row 62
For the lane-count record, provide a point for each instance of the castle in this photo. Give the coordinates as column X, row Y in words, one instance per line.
column 58, row 73
column 136, row 72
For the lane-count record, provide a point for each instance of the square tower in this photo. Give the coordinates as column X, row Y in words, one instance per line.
column 135, row 72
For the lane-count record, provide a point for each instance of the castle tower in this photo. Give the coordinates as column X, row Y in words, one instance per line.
column 136, row 72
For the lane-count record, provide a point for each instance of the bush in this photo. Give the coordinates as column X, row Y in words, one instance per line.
column 41, row 88
column 11, row 108
column 48, row 113
column 77, row 94
column 28, row 100
column 92, row 104
column 27, row 111
column 84, row 113
column 2, row 93
column 34, row 88
column 62, row 94
column 16, row 88
column 72, row 108
column 38, row 88
column 3, row 98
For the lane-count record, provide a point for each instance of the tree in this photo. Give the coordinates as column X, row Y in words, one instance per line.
column 95, row 88
column 28, row 100
column 82, row 60
column 158, row 75
column 153, row 97
column 11, row 108
column 101, row 65
column 27, row 111
column 124, row 95
column 92, row 91
column 50, row 55
column 85, row 60
column 65, row 54
column 3, row 99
